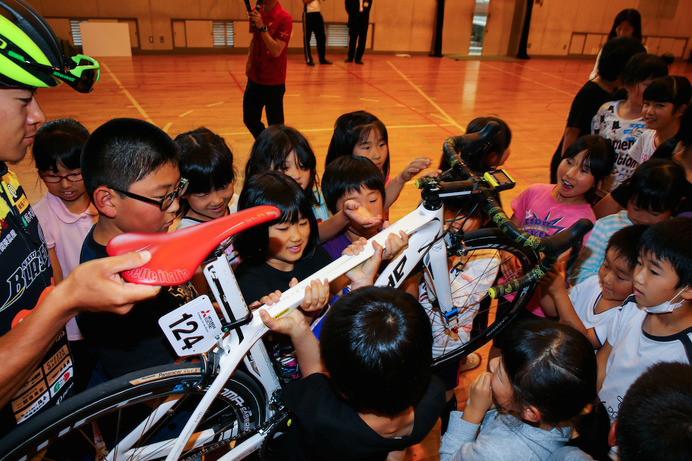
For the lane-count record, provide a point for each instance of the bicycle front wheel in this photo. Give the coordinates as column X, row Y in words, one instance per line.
column 487, row 254
column 138, row 417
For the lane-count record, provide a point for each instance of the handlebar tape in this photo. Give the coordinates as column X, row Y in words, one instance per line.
column 552, row 247
column 469, row 144
column 566, row 239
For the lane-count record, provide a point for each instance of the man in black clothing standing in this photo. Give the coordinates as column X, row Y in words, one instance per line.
column 314, row 22
column 358, row 19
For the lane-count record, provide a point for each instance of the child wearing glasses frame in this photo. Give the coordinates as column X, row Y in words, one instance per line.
column 130, row 170
column 65, row 213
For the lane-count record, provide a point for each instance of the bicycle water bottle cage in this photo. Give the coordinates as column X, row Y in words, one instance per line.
column 176, row 255
column 237, row 324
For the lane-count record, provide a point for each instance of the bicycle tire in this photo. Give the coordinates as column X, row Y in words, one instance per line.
column 66, row 432
column 498, row 314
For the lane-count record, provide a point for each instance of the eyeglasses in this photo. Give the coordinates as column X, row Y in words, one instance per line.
column 80, row 71
column 165, row 202
column 56, row 178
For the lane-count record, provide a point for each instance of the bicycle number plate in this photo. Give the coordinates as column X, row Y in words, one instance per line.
column 193, row 328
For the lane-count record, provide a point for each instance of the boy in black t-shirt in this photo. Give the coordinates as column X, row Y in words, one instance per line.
column 366, row 388
column 130, row 170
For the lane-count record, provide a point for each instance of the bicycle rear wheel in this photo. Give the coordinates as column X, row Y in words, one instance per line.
column 138, row 417
column 485, row 251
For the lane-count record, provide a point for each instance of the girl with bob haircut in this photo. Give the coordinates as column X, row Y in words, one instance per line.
column 276, row 252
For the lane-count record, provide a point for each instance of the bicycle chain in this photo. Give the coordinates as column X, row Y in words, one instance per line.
column 278, row 415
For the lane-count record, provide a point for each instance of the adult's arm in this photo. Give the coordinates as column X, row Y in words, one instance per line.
column 275, row 46
column 571, row 135
column 94, row 286
column 606, row 206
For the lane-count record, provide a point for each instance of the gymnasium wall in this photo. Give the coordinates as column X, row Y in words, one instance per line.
column 558, row 27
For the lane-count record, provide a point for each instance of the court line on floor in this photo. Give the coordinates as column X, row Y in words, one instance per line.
column 529, row 79
column 394, row 98
column 129, row 96
column 451, row 121
column 444, row 114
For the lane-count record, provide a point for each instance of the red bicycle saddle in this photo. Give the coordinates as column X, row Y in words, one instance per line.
column 176, row 255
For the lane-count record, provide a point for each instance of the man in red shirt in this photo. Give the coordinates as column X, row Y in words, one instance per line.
column 271, row 27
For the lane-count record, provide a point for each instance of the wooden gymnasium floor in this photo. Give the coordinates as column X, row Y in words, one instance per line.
column 421, row 100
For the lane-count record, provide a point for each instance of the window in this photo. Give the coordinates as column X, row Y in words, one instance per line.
column 76, row 33
column 337, row 35
column 223, row 33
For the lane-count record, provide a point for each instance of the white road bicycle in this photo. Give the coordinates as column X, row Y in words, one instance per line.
column 224, row 400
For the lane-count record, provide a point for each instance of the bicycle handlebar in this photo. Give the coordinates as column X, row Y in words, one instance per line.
column 551, row 247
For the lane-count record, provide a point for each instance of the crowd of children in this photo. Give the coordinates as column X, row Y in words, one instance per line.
column 629, row 295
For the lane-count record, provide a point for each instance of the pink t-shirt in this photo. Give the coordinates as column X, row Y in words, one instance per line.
column 64, row 230
column 541, row 215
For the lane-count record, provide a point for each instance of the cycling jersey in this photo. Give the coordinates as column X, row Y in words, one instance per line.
column 25, row 272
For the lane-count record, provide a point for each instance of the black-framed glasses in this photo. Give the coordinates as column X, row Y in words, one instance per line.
column 56, row 178
column 80, row 71
column 165, row 202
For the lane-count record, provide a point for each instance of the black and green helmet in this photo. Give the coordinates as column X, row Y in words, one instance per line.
column 31, row 57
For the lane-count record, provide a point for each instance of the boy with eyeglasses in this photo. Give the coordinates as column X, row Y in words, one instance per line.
column 130, row 171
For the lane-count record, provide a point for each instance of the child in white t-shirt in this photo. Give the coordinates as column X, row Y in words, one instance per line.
column 594, row 301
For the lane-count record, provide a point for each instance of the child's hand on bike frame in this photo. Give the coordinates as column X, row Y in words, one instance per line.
column 292, row 324
column 365, row 273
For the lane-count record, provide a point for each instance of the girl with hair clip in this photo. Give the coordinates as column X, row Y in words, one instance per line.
column 207, row 163
column 627, row 23
column 544, row 209
column 526, row 405
column 361, row 133
column 284, row 149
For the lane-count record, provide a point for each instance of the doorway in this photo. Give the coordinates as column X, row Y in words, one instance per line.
column 480, row 19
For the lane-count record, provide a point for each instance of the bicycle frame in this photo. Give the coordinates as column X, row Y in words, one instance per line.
column 424, row 228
